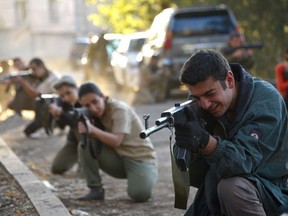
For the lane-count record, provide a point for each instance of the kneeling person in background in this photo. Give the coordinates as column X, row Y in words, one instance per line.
column 67, row 89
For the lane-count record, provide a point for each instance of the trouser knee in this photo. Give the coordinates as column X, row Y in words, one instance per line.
column 229, row 189
column 239, row 196
column 57, row 170
column 139, row 195
column 226, row 189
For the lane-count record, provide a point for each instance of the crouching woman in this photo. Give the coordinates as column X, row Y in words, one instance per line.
column 123, row 154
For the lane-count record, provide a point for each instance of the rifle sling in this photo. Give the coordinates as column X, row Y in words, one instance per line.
column 181, row 182
column 95, row 147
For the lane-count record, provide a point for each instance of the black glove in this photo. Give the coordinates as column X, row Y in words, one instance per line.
column 191, row 135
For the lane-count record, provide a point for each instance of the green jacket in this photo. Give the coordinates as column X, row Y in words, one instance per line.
column 256, row 147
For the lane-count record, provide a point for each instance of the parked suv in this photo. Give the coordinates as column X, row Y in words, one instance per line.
column 124, row 60
column 84, row 49
column 175, row 34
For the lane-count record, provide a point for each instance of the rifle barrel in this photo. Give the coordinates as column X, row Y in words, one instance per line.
column 145, row 133
column 250, row 45
column 162, row 120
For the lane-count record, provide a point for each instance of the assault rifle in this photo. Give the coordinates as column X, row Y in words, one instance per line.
column 180, row 157
column 49, row 121
column 12, row 76
column 168, row 119
column 80, row 115
column 249, row 45
column 42, row 103
column 183, row 158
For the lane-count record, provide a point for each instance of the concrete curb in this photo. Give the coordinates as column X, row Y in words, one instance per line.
column 44, row 201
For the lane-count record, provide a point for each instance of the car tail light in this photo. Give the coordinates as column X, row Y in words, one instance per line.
column 168, row 41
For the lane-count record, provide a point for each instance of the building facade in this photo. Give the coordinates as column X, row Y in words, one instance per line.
column 42, row 28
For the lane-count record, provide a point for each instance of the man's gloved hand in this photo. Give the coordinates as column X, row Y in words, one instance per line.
column 191, row 135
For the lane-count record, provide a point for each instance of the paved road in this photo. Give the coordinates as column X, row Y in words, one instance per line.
column 38, row 154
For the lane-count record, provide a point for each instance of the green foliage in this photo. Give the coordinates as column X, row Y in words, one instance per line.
column 126, row 16
column 260, row 20
column 265, row 21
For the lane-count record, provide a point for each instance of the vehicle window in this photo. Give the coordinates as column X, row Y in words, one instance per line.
column 200, row 24
column 136, row 45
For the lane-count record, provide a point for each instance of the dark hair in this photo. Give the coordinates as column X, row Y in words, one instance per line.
column 16, row 59
column 37, row 61
column 89, row 87
column 202, row 65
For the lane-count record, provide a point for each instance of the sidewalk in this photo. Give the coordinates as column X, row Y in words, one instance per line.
column 29, row 194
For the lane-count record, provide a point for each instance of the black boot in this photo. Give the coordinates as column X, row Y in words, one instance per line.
column 32, row 127
column 94, row 194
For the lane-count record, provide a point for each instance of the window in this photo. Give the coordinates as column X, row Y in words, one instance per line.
column 200, row 24
column 20, row 12
column 53, row 11
column 136, row 44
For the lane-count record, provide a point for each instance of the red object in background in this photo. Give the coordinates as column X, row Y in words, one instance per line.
column 281, row 72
